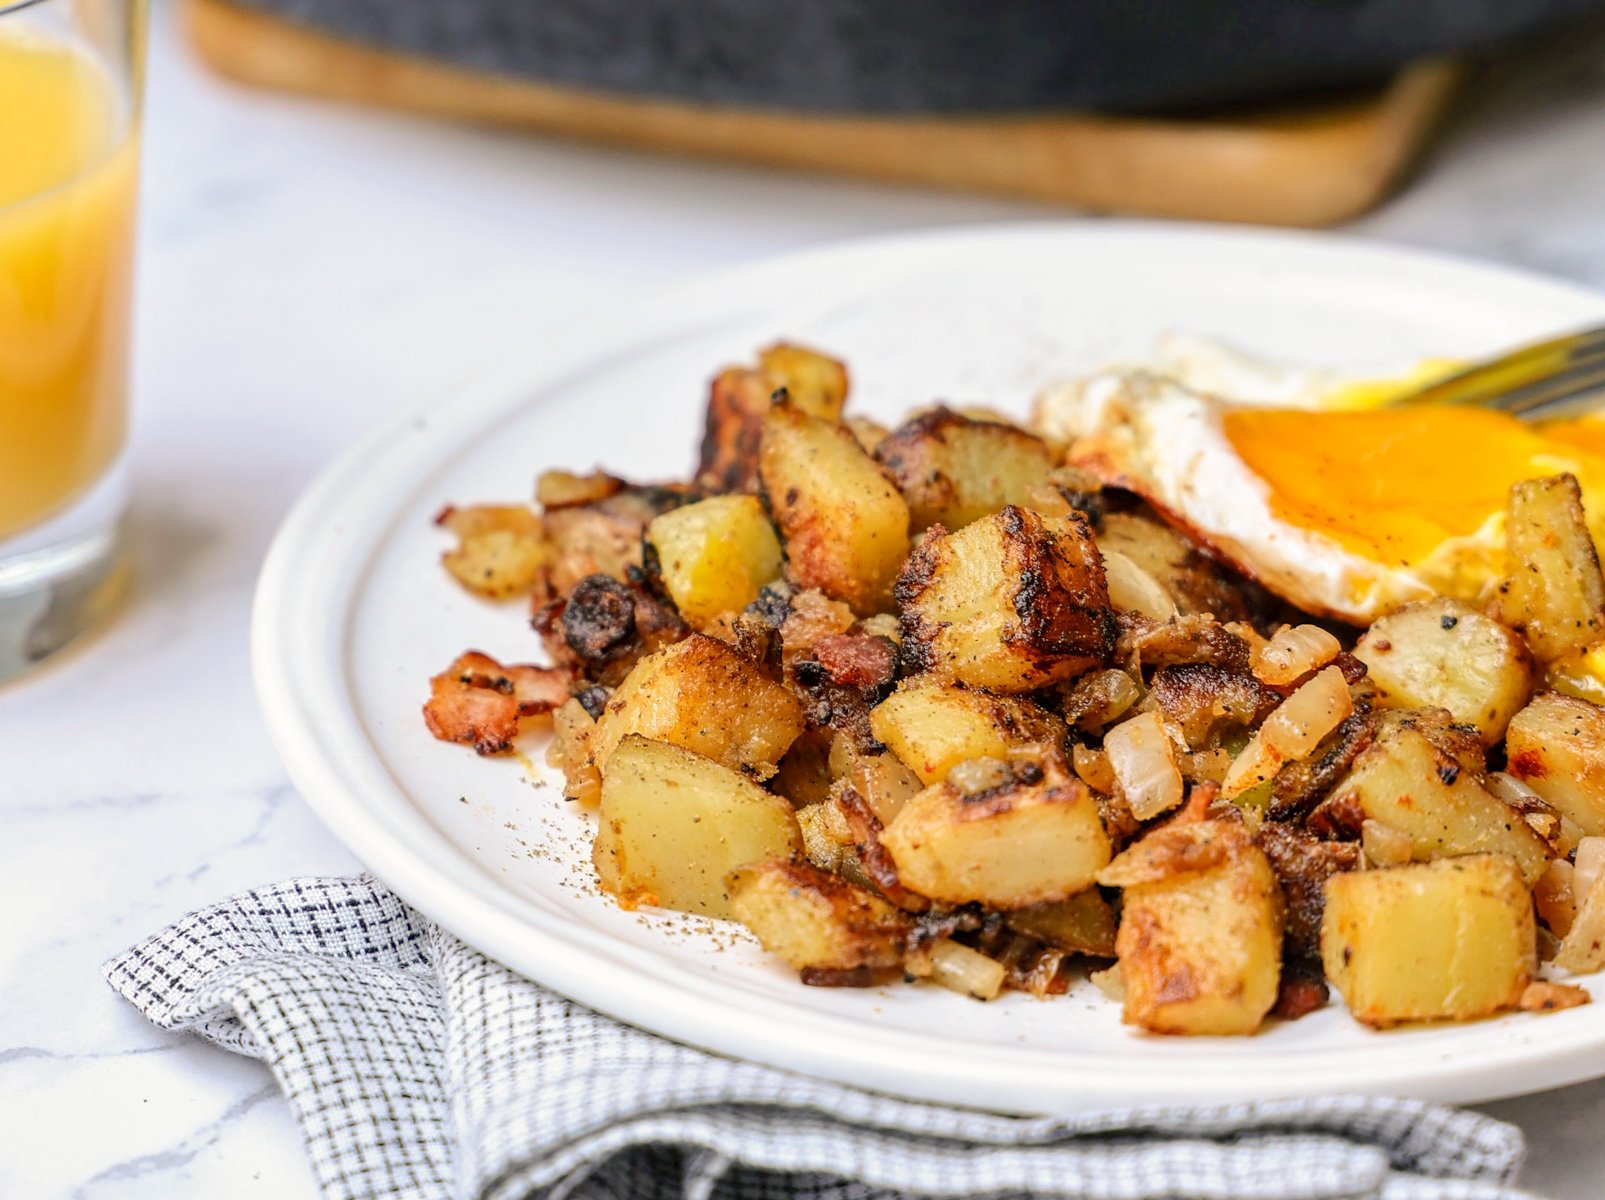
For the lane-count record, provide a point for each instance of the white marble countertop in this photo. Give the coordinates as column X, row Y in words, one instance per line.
column 305, row 271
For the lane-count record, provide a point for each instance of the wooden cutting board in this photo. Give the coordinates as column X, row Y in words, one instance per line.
column 1309, row 165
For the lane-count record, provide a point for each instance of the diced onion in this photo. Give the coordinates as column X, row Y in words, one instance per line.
column 975, row 775
column 1110, row 982
column 956, row 966
column 1590, row 861
column 1131, row 588
column 1582, row 950
column 1555, row 895
column 1293, row 652
column 1143, row 759
column 1292, row 731
column 1092, row 766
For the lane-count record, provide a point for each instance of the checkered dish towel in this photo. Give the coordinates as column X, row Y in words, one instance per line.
column 419, row 1068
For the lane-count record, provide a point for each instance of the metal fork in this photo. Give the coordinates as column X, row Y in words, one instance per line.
column 1564, row 376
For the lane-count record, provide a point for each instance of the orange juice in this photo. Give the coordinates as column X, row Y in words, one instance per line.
column 67, row 174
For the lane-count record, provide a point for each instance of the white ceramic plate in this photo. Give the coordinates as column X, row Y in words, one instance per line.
column 354, row 614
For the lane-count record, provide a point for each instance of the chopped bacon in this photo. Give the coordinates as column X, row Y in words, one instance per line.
column 478, row 701
column 857, row 660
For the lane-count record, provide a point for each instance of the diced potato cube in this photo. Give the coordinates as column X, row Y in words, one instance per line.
column 1200, row 939
column 740, row 397
column 953, row 469
column 816, row 382
column 1442, row 654
column 1555, row 593
column 1013, row 602
column 673, row 825
column 1447, row 940
column 715, row 555
column 1407, row 783
column 1013, row 846
column 844, row 522
column 1556, row 746
column 502, row 550
column 932, row 726
column 814, row 920
column 702, row 695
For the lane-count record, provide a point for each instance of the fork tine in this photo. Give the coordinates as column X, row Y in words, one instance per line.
column 1565, row 388
column 1528, row 367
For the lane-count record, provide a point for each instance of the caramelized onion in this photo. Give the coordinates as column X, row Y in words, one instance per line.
column 1143, row 759
column 1293, row 652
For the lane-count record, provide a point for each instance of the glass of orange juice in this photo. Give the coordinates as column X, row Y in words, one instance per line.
column 70, row 82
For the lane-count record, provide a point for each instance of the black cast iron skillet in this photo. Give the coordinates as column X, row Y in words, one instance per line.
column 907, row 56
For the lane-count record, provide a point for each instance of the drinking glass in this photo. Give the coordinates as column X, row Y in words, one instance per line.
column 70, row 83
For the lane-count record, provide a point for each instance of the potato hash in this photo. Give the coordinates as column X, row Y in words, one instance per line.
column 927, row 703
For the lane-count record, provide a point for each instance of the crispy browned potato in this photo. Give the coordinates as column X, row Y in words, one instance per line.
column 1011, row 846
column 931, row 726
column 1447, row 940
column 816, row 381
column 844, row 523
column 702, row 695
column 739, row 398
column 1442, row 654
column 501, row 549
column 1200, row 939
column 715, row 555
column 953, row 469
column 1011, row 602
column 1408, row 783
column 478, row 701
column 1555, row 593
column 815, row 921
column 1556, row 746
column 673, row 825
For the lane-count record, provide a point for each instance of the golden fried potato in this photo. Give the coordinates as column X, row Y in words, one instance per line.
column 673, row 825
column 815, row 381
column 1442, row 654
column 1556, row 746
column 844, row 523
column 1408, row 783
column 715, row 555
column 1012, row 602
column 816, row 921
column 1200, row 939
column 740, row 397
column 1446, row 940
column 501, row 551
column 1555, row 593
column 931, row 726
column 1012, row 846
column 701, row 695
column 953, row 469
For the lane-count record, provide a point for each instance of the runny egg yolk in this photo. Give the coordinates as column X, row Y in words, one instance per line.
column 1413, row 487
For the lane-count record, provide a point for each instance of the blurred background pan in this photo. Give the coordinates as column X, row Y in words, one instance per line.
column 1287, row 111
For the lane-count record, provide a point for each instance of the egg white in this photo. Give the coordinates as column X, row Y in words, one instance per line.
column 1152, row 435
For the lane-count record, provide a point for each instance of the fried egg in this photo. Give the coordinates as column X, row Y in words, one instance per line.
column 1349, row 514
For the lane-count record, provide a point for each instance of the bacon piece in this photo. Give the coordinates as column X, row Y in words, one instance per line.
column 478, row 701
column 857, row 660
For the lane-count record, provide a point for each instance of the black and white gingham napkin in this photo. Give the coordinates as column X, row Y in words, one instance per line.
column 418, row 1068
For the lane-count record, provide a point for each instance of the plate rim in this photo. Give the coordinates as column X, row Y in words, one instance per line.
column 298, row 706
